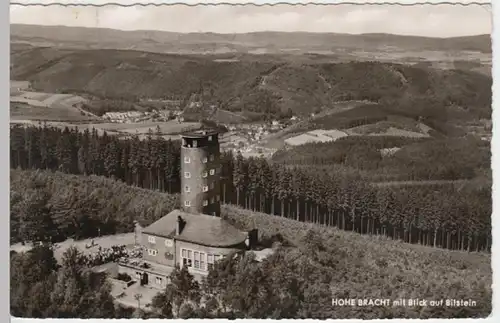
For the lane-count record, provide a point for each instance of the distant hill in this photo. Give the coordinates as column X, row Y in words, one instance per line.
column 256, row 42
column 268, row 85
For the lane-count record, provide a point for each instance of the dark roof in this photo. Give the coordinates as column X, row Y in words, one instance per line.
column 201, row 229
column 200, row 133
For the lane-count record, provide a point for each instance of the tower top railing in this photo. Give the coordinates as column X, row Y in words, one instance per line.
column 198, row 134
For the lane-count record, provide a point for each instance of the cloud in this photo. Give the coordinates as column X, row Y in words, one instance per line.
column 423, row 20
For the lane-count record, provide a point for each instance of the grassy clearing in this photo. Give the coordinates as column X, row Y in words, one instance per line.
column 23, row 111
column 169, row 127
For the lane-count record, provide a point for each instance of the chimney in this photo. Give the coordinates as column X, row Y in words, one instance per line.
column 180, row 225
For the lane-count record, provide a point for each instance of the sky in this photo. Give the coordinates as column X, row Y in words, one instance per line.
column 420, row 20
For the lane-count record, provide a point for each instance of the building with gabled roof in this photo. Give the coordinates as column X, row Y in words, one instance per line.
column 194, row 236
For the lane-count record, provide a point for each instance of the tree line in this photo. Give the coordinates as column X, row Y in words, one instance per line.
column 441, row 216
column 413, row 159
column 52, row 206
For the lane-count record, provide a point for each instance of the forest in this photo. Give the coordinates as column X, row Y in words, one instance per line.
column 447, row 216
column 296, row 281
column 416, row 158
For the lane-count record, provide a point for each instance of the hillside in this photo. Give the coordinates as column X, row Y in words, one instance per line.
column 370, row 267
column 79, row 206
column 269, row 86
column 323, row 261
column 413, row 159
column 256, row 42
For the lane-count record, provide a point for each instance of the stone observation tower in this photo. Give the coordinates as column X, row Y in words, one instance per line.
column 200, row 172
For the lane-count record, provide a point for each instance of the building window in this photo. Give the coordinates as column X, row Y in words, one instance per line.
column 159, row 281
column 210, row 261
column 202, row 261
column 212, row 200
column 205, row 160
column 187, row 160
column 196, row 260
column 151, row 239
column 169, row 243
column 195, row 143
column 152, row 252
column 212, row 172
column 205, row 202
column 205, row 188
column 187, row 203
column 138, row 275
column 186, row 257
column 187, row 189
column 187, row 174
column 209, row 138
column 218, row 198
column 204, row 174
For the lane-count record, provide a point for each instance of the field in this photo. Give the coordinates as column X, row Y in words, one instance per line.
column 170, row 127
column 62, row 110
column 41, row 106
column 315, row 136
column 403, row 128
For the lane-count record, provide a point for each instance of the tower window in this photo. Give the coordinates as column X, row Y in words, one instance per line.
column 205, row 160
column 205, row 188
column 187, row 174
column 187, row 189
column 212, row 172
column 204, row 174
column 205, row 202
column 187, row 160
column 187, row 203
